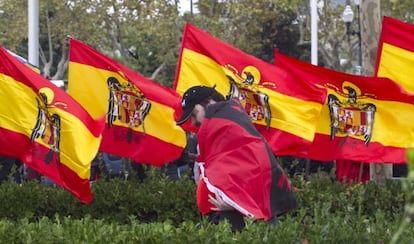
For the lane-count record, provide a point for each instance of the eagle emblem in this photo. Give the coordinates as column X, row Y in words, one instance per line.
column 350, row 117
column 243, row 87
column 47, row 127
column 127, row 104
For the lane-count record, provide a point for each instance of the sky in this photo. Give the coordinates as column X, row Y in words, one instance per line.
column 185, row 6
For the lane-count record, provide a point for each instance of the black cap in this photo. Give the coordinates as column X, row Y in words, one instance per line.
column 194, row 95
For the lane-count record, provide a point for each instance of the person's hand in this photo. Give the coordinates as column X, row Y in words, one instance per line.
column 219, row 203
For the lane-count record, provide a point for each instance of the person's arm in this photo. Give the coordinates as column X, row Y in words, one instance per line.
column 220, row 204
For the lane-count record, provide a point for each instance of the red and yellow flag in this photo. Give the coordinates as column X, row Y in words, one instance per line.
column 285, row 113
column 366, row 119
column 395, row 58
column 139, row 112
column 45, row 128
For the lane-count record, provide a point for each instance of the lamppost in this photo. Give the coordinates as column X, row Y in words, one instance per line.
column 348, row 17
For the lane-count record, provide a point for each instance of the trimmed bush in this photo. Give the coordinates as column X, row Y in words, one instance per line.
column 159, row 210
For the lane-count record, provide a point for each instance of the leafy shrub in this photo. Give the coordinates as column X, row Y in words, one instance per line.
column 328, row 229
column 159, row 210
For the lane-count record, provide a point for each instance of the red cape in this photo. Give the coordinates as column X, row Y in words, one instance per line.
column 239, row 164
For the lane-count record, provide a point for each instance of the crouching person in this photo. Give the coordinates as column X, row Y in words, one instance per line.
column 239, row 175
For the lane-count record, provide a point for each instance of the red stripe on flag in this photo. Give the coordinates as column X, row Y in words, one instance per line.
column 397, row 33
column 325, row 149
column 143, row 148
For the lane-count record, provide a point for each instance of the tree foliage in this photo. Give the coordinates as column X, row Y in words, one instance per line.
column 398, row 9
column 256, row 27
column 13, row 16
column 145, row 35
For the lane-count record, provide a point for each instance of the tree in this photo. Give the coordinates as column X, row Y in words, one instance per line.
column 146, row 34
column 398, row 9
column 256, row 27
column 13, row 16
column 140, row 34
column 58, row 20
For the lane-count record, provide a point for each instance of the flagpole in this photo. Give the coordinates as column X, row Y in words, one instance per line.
column 33, row 33
column 314, row 32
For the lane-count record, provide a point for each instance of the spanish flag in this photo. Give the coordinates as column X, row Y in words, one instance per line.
column 395, row 58
column 45, row 128
column 139, row 113
column 285, row 113
column 366, row 119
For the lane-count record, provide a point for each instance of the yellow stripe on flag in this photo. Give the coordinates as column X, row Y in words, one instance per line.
column 397, row 64
column 14, row 93
column 96, row 103
column 399, row 118
column 88, row 86
column 71, row 145
column 199, row 69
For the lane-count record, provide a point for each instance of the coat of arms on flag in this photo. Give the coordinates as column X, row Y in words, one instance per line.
column 244, row 87
column 348, row 116
column 47, row 125
column 126, row 104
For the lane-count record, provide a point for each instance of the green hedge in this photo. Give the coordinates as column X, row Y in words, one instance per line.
column 324, row 229
column 155, row 199
column 159, row 210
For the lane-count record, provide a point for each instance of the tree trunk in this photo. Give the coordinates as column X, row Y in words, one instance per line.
column 370, row 31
